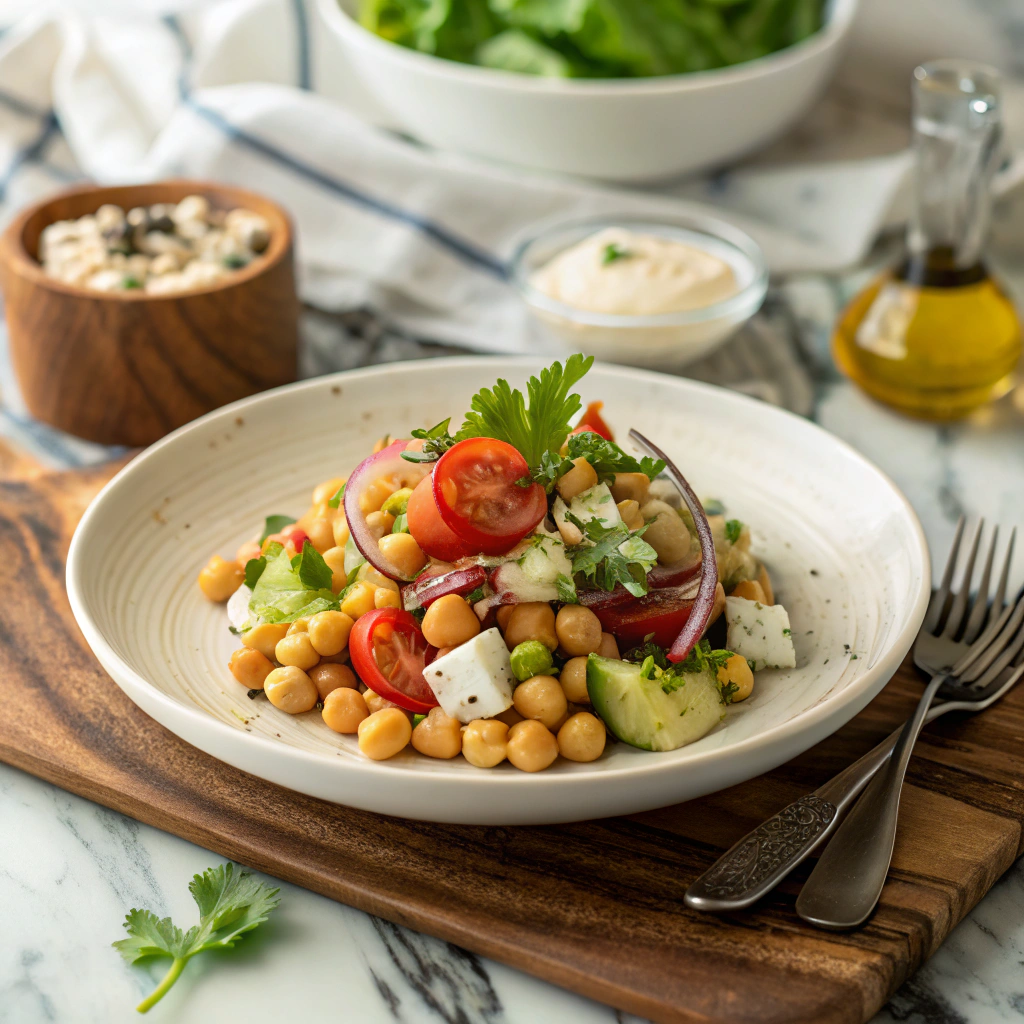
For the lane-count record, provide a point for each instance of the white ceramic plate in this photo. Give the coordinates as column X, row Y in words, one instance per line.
column 845, row 551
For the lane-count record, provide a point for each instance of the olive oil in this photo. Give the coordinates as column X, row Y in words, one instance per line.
column 937, row 337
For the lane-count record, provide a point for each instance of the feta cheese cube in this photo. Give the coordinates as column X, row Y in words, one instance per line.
column 475, row 680
column 760, row 633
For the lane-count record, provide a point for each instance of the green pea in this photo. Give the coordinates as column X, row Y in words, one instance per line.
column 397, row 502
column 531, row 658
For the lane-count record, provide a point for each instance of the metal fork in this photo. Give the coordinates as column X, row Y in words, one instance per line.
column 752, row 867
column 847, row 881
column 952, row 622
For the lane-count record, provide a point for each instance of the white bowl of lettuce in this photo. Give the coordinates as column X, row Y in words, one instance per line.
column 621, row 91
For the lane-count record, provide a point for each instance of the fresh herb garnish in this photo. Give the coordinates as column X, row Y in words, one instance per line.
column 401, row 523
column 547, row 471
column 733, row 529
column 336, row 499
column 274, row 524
column 566, row 589
column 713, row 507
column 254, row 570
column 475, row 595
column 614, row 556
column 131, row 282
column 230, row 904
column 728, row 691
column 416, row 719
column 544, row 424
column 608, row 458
column 234, row 261
column 314, row 572
column 612, row 252
column 436, row 441
column 648, row 649
column 654, row 663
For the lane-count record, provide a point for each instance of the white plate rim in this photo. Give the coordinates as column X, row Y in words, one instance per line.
column 808, row 722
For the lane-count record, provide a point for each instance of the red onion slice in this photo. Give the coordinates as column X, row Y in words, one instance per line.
column 388, row 462
column 426, row 589
column 697, row 623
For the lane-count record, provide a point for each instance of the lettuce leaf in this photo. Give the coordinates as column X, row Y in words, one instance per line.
column 285, row 592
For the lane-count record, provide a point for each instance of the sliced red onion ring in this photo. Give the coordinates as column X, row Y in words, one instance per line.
column 697, row 623
column 428, row 587
column 388, row 462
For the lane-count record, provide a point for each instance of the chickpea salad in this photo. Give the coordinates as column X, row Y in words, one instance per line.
column 516, row 589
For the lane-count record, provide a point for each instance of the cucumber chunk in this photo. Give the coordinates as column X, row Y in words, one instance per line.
column 640, row 712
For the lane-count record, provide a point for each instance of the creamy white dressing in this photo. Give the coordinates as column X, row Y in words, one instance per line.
column 631, row 274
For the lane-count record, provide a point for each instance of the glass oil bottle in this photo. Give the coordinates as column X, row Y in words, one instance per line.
column 937, row 337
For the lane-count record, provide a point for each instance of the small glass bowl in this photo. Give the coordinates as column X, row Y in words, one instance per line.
column 665, row 341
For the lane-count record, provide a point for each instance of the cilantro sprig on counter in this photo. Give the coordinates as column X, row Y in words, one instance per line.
column 230, row 903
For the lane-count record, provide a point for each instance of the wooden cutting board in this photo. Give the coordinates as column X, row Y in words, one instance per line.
column 595, row 907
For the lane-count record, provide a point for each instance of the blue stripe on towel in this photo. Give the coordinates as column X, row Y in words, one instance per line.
column 459, row 247
column 305, row 75
column 19, row 106
column 30, row 153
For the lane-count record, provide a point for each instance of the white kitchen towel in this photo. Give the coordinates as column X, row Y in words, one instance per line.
column 229, row 90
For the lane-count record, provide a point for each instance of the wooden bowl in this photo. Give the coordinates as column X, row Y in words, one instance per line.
column 126, row 367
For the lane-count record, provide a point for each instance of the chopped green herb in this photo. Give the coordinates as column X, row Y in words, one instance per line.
column 544, row 424
column 615, row 556
column 131, row 283
column 547, row 471
column 274, row 524
column 648, row 668
column 230, row 903
column 728, row 691
column 336, row 499
column 436, row 441
column 733, row 529
column 234, row 261
column 612, row 252
column 416, row 719
column 608, row 458
column 566, row 589
column 713, row 507
column 475, row 595
column 401, row 524
column 787, row 632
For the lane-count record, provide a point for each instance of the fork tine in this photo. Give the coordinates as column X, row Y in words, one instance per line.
column 994, row 672
column 1014, row 645
column 1007, row 635
column 956, row 612
column 937, row 605
column 999, row 600
column 979, row 610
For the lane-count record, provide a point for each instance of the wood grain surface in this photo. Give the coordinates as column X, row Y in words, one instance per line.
column 126, row 367
column 595, row 907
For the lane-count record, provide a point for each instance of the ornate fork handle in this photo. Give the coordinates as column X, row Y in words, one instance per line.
column 763, row 857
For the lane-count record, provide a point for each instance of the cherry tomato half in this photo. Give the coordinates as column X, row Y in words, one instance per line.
column 477, row 495
column 593, row 421
column 389, row 653
column 428, row 529
column 661, row 612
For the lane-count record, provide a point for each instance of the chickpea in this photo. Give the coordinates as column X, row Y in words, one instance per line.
column 503, row 614
column 438, row 735
column 402, row 551
column 265, row 637
column 666, row 532
column 381, row 443
column 296, row 651
column 249, row 550
column 375, row 702
column 582, row 737
column 719, row 604
column 449, row 621
column 509, row 716
column 250, row 668
column 540, row 698
column 298, row 626
column 629, row 511
column 375, row 495
column 379, row 524
column 751, row 590
column 531, row 620
column 360, row 600
column 631, row 487
column 578, row 630
column 580, row 478
column 609, row 647
column 321, row 533
column 386, row 599
column 291, row 690
column 573, row 679
column 737, row 671
column 328, row 632
column 219, row 579
column 766, row 585
column 367, row 574
column 344, row 709
column 484, row 742
column 330, row 677
column 569, row 532
column 327, row 490
column 384, row 733
column 335, row 559
column 341, row 531
column 531, row 747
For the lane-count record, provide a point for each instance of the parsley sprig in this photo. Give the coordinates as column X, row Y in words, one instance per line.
column 654, row 664
column 615, row 555
column 436, row 441
column 612, row 252
column 535, row 427
column 608, row 458
column 230, row 904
